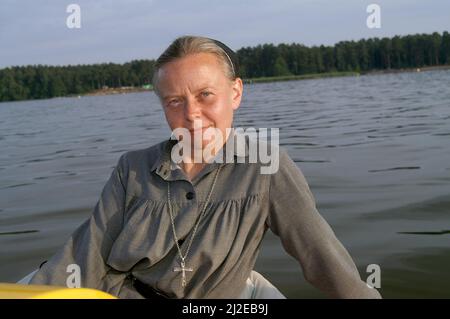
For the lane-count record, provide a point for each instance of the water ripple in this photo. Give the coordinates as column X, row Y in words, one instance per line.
column 394, row 169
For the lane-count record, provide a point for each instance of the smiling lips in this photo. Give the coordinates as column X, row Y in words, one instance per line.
column 198, row 129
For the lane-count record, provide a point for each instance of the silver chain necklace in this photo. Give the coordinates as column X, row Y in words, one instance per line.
column 183, row 267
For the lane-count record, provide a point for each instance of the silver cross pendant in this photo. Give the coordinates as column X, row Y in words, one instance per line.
column 183, row 270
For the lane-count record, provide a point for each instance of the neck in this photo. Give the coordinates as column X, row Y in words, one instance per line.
column 199, row 156
column 191, row 168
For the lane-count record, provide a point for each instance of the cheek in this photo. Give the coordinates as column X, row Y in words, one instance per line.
column 222, row 106
column 219, row 112
column 222, row 117
column 172, row 118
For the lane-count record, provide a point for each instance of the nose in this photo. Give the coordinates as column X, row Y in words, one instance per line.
column 192, row 109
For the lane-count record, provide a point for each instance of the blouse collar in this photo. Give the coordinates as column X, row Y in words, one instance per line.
column 164, row 165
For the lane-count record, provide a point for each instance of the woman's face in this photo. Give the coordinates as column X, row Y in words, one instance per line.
column 195, row 88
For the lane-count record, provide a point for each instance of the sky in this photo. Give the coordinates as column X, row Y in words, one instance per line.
column 36, row 32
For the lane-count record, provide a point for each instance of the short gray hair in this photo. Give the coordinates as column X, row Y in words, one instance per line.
column 189, row 44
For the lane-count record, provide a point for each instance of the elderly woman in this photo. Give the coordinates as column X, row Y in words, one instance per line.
column 193, row 229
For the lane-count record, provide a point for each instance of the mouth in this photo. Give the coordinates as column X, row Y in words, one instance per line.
column 201, row 129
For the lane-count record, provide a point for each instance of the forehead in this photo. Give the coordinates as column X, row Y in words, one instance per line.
column 192, row 71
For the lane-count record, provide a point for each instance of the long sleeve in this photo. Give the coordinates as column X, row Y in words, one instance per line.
column 307, row 237
column 89, row 246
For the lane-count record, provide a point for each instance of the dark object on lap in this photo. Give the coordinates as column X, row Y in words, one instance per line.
column 145, row 290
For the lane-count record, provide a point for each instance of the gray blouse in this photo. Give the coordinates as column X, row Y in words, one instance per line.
column 130, row 230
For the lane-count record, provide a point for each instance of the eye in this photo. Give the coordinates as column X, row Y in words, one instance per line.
column 174, row 102
column 205, row 93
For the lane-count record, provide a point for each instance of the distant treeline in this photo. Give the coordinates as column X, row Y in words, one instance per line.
column 41, row 81
column 268, row 60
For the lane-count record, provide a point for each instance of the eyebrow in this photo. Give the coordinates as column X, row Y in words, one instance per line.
column 195, row 91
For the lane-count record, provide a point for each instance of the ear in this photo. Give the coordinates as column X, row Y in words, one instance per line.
column 237, row 88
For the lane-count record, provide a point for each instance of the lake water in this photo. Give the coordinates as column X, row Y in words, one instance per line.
column 374, row 149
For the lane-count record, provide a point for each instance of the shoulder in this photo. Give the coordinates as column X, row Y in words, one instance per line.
column 290, row 179
column 288, row 170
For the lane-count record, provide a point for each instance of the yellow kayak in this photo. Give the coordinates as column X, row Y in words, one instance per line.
column 19, row 291
column 22, row 290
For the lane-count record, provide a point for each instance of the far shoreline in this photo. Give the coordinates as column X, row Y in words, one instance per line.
column 312, row 76
column 148, row 88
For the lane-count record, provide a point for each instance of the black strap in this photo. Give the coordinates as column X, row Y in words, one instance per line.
column 145, row 290
column 231, row 54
